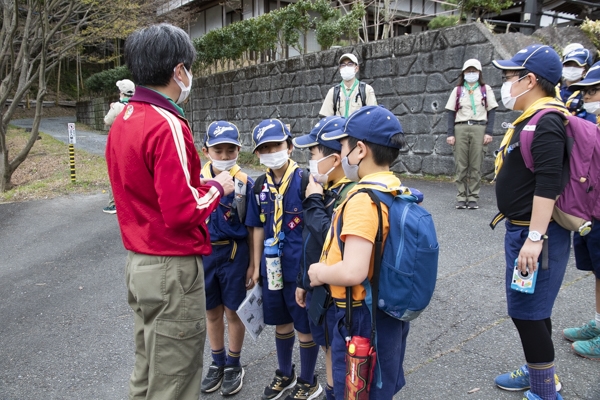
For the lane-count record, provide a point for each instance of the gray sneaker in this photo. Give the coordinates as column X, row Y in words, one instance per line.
column 461, row 205
column 233, row 380
column 213, row 379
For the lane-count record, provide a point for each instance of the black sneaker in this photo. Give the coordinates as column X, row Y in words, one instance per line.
column 279, row 385
column 472, row 205
column 233, row 380
column 213, row 378
column 305, row 391
column 461, row 205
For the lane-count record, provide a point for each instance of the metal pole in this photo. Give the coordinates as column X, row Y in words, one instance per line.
column 72, row 162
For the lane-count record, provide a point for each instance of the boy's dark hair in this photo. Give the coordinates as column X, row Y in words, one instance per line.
column 152, row 53
column 288, row 140
column 547, row 87
column 461, row 79
column 382, row 155
column 327, row 151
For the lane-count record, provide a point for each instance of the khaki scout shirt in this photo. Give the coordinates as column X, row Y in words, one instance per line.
column 355, row 103
column 465, row 112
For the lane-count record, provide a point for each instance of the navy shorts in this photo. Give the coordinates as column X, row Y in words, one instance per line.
column 587, row 250
column 318, row 331
column 280, row 307
column 391, row 347
column 536, row 306
column 224, row 277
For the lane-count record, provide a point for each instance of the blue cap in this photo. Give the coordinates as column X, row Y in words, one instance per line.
column 582, row 57
column 326, row 125
column 592, row 77
column 222, row 132
column 540, row 59
column 373, row 124
column 270, row 130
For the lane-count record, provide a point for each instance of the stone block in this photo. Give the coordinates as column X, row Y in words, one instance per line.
column 438, row 165
column 437, row 83
column 412, row 103
column 398, row 110
column 463, row 34
column 313, row 61
column 383, row 87
column 409, row 85
column 379, row 68
column 424, row 144
column 442, row 60
column 440, row 43
column 424, row 41
column 441, row 147
column 295, row 64
column 435, row 103
column 482, row 52
column 401, row 65
column 412, row 163
column 403, row 45
column 379, row 49
column 397, row 166
column 415, row 124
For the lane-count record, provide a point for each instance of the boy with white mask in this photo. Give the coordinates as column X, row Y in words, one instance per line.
column 526, row 200
column 351, row 94
column 277, row 239
column 575, row 65
column 229, row 269
column 586, row 339
column 326, row 189
column 471, row 110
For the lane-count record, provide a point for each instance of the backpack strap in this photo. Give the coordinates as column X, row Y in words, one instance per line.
column 304, row 183
column 336, row 98
column 362, row 93
column 458, row 94
column 526, row 135
column 258, row 184
column 483, row 96
column 240, row 179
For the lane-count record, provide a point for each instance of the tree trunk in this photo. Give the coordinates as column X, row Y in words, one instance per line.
column 5, row 172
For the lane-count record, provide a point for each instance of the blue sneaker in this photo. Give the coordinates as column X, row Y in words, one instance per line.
column 519, row 380
column 532, row 396
column 588, row 348
column 586, row 332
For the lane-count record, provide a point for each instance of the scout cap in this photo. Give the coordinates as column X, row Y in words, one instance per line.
column 540, row 59
column 270, row 130
column 373, row 124
column 222, row 132
column 315, row 137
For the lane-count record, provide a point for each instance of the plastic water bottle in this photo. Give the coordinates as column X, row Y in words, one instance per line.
column 273, row 264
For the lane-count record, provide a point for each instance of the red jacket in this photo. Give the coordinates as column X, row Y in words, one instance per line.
column 154, row 172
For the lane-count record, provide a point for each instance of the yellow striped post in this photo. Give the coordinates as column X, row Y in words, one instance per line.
column 72, row 162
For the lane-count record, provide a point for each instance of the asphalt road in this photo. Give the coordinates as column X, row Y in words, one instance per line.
column 66, row 330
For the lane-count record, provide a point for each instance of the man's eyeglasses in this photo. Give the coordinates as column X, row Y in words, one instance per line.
column 507, row 77
column 590, row 91
column 347, row 64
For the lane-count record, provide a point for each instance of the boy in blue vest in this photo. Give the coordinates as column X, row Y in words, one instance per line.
column 277, row 213
column 326, row 189
column 371, row 140
column 229, row 269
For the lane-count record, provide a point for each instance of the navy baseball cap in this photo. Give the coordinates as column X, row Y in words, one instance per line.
column 326, row 125
column 269, row 130
column 540, row 59
column 582, row 57
column 592, row 77
column 222, row 132
column 373, row 124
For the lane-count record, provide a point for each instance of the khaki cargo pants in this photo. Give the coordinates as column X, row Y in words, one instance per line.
column 167, row 296
column 468, row 156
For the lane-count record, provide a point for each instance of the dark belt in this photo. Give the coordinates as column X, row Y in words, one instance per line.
column 342, row 303
column 471, row 122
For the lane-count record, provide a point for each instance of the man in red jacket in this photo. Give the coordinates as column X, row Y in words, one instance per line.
column 154, row 171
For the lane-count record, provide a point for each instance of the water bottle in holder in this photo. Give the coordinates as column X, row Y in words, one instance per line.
column 273, row 262
column 360, row 365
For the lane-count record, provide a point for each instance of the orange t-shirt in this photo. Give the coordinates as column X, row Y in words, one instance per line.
column 360, row 219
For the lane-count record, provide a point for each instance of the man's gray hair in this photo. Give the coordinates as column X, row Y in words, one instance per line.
column 151, row 53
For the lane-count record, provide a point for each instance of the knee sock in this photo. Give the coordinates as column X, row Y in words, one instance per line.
column 329, row 393
column 541, row 379
column 218, row 357
column 309, row 351
column 233, row 358
column 598, row 320
column 284, row 343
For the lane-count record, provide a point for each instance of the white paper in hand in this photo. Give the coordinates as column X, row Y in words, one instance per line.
column 251, row 312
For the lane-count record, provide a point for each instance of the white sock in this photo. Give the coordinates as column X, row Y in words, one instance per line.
column 598, row 320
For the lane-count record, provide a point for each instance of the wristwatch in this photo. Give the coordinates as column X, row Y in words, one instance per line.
column 535, row 236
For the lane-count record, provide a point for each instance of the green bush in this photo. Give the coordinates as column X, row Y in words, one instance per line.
column 103, row 83
column 443, row 21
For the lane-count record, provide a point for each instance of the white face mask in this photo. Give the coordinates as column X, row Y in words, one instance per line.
column 507, row 99
column 572, row 73
column 348, row 73
column 593, row 107
column 223, row 165
column 274, row 160
column 472, row 77
column 185, row 90
column 313, row 165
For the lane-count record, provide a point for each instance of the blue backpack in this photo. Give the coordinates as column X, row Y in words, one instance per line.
column 404, row 276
